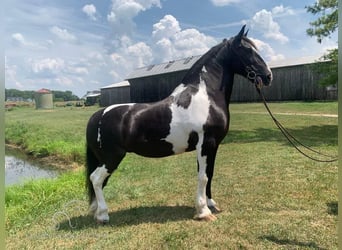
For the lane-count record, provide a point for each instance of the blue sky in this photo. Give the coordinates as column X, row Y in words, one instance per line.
column 85, row 45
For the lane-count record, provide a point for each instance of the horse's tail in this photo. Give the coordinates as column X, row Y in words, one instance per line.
column 92, row 164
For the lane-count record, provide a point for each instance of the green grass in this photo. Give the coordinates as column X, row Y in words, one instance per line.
column 272, row 197
column 58, row 132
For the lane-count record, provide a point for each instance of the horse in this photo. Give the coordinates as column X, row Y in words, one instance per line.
column 194, row 117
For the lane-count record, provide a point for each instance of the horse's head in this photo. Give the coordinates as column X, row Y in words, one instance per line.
column 246, row 61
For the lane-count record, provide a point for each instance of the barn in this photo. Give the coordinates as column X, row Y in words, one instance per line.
column 115, row 93
column 155, row 82
column 91, row 98
column 292, row 81
column 295, row 80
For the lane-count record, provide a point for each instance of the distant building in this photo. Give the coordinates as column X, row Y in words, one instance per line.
column 44, row 99
column 115, row 93
column 91, row 98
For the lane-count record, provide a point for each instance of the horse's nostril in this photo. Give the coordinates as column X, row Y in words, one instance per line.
column 269, row 77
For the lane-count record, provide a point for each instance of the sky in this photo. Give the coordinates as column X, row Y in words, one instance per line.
column 85, row 45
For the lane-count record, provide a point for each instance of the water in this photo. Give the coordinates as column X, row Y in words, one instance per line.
column 19, row 168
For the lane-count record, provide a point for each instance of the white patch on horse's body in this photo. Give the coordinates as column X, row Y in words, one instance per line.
column 97, row 178
column 99, row 136
column 186, row 120
column 109, row 108
column 179, row 89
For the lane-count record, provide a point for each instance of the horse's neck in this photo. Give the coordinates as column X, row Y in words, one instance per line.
column 227, row 84
column 219, row 81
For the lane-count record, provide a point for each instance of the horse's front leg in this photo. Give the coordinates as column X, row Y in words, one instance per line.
column 206, row 151
column 210, row 172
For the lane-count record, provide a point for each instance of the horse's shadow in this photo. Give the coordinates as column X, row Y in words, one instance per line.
column 291, row 243
column 131, row 216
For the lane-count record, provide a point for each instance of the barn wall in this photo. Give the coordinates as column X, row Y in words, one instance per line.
column 155, row 88
column 298, row 82
column 115, row 95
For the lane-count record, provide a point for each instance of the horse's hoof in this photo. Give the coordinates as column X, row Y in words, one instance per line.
column 215, row 210
column 207, row 218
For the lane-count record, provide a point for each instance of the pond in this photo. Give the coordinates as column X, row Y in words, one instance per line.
column 20, row 168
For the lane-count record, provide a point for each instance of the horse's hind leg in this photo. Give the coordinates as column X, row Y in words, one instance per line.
column 99, row 205
column 99, row 179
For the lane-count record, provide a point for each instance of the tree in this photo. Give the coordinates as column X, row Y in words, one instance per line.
column 322, row 27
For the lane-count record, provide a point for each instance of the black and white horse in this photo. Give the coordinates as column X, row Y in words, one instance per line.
column 194, row 116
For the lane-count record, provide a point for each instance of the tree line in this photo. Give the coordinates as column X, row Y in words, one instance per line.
column 325, row 24
column 30, row 94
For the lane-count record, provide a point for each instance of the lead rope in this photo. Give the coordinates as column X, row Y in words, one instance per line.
column 291, row 139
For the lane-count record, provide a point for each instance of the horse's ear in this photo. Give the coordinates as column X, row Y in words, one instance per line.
column 246, row 33
column 238, row 37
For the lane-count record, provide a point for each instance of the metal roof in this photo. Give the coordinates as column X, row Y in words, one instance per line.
column 163, row 68
column 294, row 61
column 117, row 85
column 92, row 93
column 186, row 63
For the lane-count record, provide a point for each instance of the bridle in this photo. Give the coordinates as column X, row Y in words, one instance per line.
column 253, row 77
column 291, row 139
column 250, row 69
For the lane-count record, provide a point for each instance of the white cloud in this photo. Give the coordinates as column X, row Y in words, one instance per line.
column 11, row 76
column 90, row 11
column 77, row 70
column 64, row 81
column 263, row 22
column 167, row 27
column 123, row 11
column 171, row 42
column 68, row 81
column 19, row 40
column 63, row 34
column 129, row 56
column 224, row 2
column 267, row 51
column 141, row 52
column 281, row 11
column 51, row 65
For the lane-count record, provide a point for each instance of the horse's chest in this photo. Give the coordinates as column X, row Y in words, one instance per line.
column 187, row 121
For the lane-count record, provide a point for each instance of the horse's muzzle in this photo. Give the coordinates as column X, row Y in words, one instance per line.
column 267, row 80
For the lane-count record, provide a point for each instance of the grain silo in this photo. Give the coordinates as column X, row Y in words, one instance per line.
column 44, row 99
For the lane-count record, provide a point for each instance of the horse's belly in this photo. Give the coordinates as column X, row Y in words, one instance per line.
column 159, row 148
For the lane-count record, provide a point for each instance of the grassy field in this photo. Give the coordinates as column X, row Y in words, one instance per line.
column 271, row 197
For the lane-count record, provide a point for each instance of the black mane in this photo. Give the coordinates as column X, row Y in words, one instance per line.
column 250, row 42
column 192, row 76
column 216, row 52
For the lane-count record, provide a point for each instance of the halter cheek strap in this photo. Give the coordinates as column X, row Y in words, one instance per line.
column 251, row 74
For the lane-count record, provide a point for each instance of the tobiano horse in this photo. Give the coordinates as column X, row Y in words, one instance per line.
column 194, row 117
